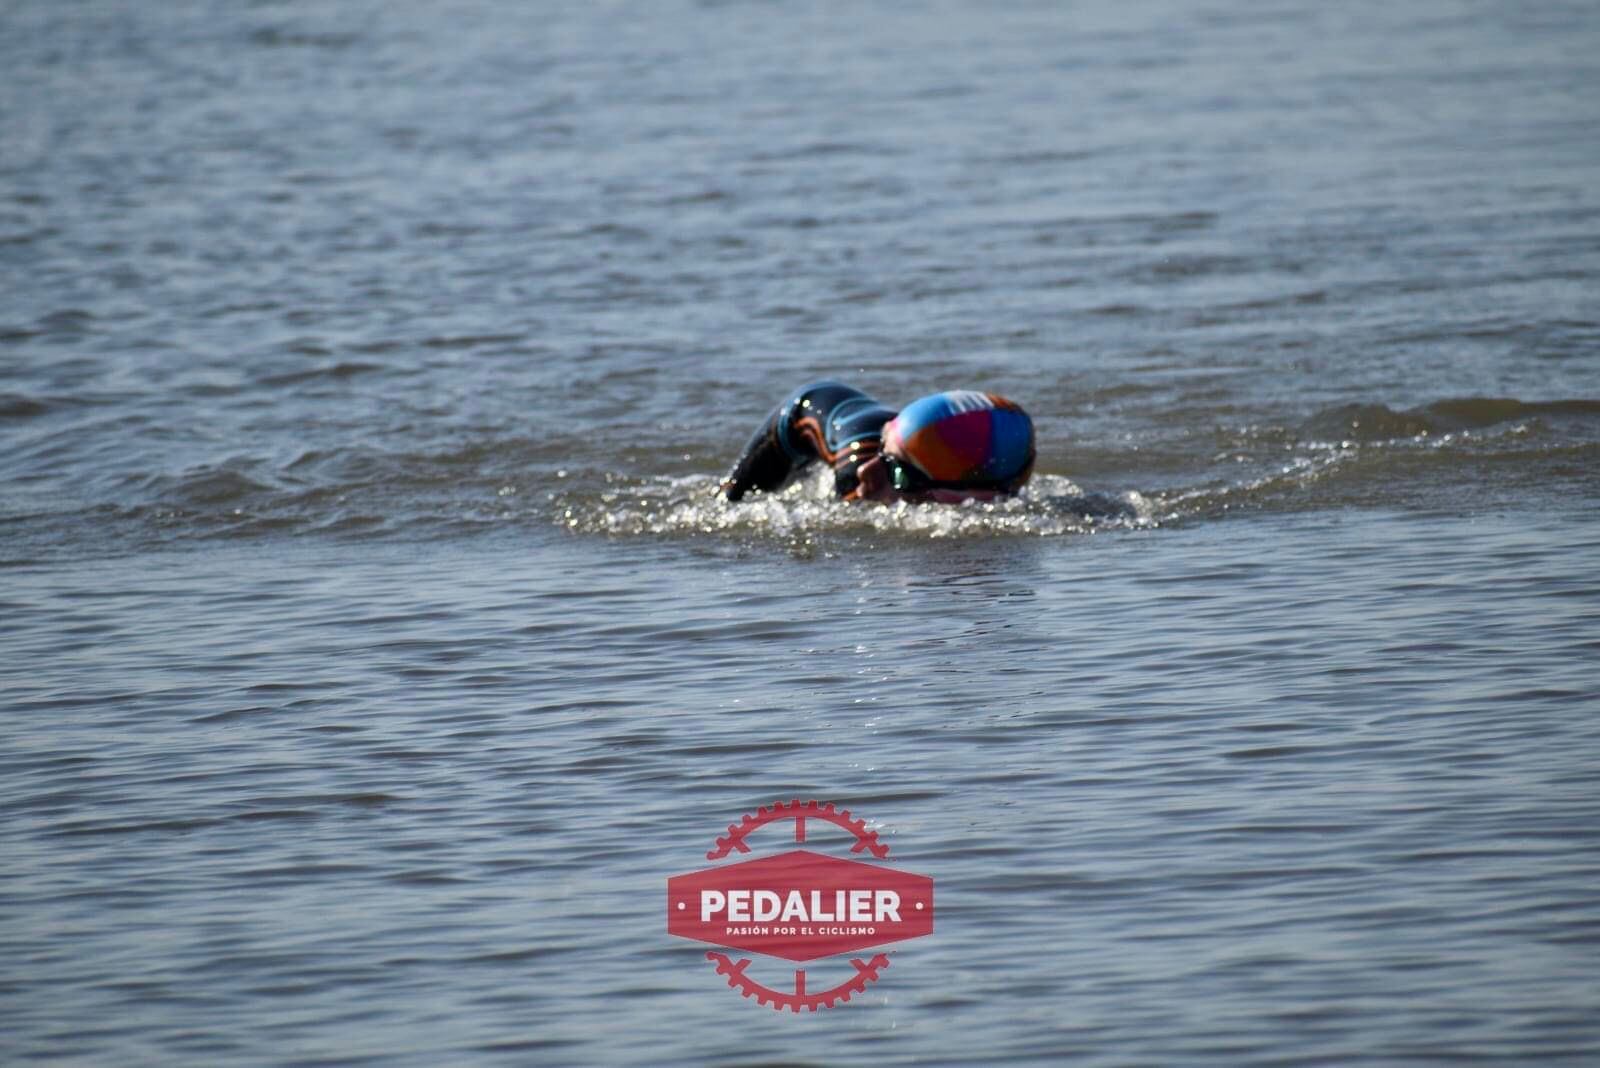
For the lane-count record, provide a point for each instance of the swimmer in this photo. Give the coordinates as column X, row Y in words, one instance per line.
column 949, row 447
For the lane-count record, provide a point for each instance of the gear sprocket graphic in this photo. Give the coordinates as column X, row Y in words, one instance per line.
column 798, row 811
column 765, row 995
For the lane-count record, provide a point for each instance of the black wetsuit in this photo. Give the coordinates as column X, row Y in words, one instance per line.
column 824, row 420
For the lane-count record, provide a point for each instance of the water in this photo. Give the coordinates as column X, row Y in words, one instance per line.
column 374, row 648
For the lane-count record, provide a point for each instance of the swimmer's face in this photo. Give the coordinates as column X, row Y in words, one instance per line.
column 876, row 486
column 873, row 482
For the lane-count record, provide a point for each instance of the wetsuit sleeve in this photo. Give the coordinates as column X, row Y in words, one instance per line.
column 765, row 464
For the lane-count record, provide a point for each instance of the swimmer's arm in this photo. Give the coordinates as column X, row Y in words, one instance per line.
column 765, row 465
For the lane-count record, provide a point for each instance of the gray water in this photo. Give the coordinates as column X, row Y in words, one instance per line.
column 372, row 648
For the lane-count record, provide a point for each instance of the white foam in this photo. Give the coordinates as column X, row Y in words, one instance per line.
column 1050, row 506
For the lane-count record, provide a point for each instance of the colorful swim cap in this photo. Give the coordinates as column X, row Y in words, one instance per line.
column 960, row 439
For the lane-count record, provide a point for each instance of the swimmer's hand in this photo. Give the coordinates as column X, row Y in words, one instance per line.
column 872, row 482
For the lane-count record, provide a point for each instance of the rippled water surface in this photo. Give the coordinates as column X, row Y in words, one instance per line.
column 373, row 647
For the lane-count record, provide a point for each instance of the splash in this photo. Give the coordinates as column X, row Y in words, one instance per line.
column 1051, row 506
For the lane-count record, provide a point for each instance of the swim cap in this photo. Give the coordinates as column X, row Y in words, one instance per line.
column 961, row 439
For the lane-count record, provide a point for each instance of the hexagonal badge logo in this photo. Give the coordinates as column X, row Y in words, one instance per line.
column 800, row 905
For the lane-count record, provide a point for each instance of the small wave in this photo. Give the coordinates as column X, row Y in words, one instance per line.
column 1456, row 453
column 284, row 37
column 65, row 323
column 1378, row 422
column 21, row 406
column 337, row 372
column 206, row 487
column 822, row 149
column 1364, row 422
column 471, row 341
